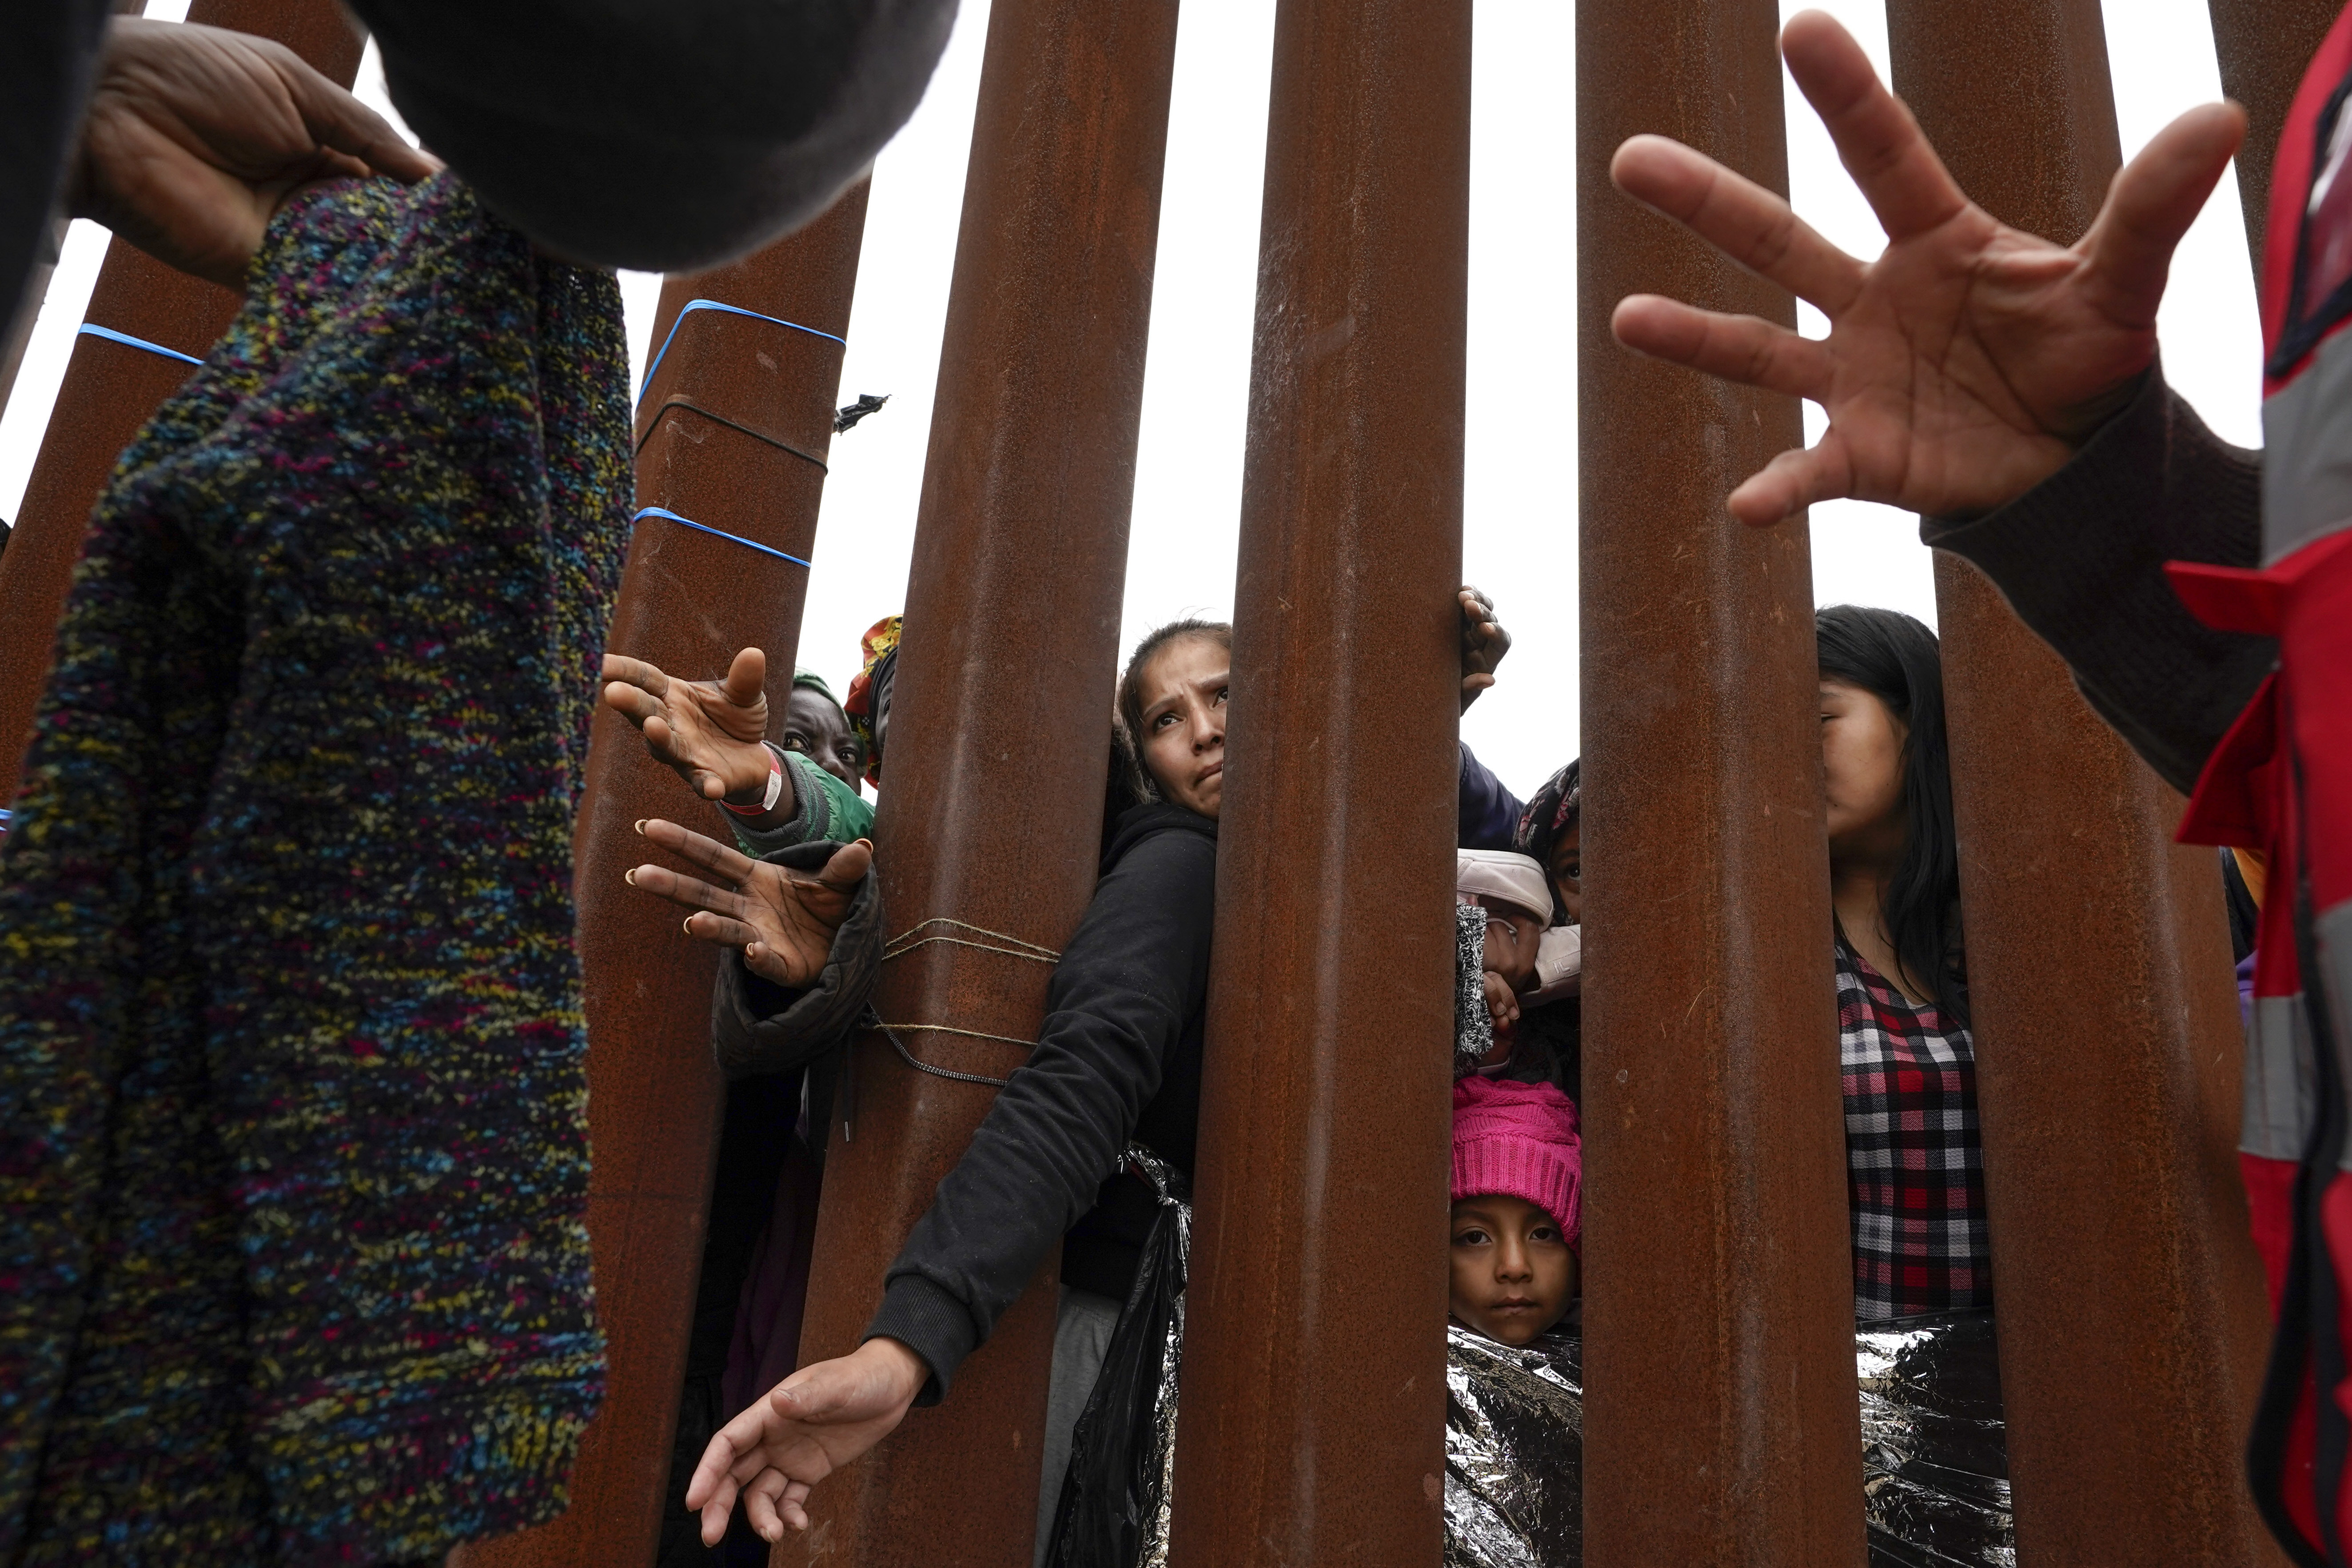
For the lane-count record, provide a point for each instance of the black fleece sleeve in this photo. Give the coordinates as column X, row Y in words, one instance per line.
column 1138, row 967
column 2081, row 559
column 667, row 135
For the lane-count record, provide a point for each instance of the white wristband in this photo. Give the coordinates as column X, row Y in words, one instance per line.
column 776, row 788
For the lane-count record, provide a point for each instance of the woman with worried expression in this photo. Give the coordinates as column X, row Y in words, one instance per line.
column 1119, row 1060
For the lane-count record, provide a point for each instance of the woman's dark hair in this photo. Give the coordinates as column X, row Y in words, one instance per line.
column 1126, row 739
column 1897, row 659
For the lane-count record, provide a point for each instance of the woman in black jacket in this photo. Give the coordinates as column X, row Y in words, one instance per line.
column 1118, row 1058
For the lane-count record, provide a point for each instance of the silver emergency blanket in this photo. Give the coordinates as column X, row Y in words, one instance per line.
column 1935, row 1466
column 1935, row 1458
column 1514, row 1451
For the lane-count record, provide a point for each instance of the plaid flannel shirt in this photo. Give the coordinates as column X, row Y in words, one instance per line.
column 1914, row 1157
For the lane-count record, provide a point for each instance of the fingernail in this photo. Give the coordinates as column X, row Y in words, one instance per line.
column 641, row 825
column 687, row 925
column 630, row 877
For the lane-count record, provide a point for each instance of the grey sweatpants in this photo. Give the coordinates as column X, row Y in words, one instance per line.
column 1081, row 1340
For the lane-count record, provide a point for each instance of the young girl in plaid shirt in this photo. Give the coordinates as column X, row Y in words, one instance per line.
column 1915, row 1162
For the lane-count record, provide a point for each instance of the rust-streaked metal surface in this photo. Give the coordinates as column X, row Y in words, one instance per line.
column 110, row 390
column 1722, row 1418
column 688, row 602
column 993, row 785
column 2264, row 46
column 2130, row 1301
column 1312, row 1409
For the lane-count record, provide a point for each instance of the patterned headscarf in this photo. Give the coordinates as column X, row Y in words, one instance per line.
column 881, row 645
column 1547, row 816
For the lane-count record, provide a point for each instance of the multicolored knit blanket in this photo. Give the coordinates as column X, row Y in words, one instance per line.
column 293, row 1139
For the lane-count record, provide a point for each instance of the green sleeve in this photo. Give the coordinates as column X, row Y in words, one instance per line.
column 825, row 808
column 851, row 814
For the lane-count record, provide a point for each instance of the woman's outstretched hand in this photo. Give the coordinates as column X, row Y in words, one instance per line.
column 811, row 1424
column 1970, row 360
column 784, row 920
column 195, row 134
column 708, row 731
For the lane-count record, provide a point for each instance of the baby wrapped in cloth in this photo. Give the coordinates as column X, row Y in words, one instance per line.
column 293, row 1154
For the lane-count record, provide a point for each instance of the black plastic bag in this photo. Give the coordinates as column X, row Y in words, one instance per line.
column 1115, row 1495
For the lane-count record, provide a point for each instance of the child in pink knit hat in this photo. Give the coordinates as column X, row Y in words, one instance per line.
column 1518, row 1171
column 1514, row 1372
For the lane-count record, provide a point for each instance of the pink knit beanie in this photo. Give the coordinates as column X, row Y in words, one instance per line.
column 1520, row 1140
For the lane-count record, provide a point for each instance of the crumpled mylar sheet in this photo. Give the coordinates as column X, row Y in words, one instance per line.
column 1934, row 1470
column 1934, row 1459
column 1514, row 1451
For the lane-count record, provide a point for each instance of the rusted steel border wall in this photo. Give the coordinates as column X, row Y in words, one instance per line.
column 109, row 389
column 2264, row 46
column 999, row 740
column 733, row 433
column 2132, row 1325
column 1313, row 1390
column 1721, row 1417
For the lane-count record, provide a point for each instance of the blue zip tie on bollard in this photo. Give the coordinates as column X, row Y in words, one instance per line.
column 706, row 528
column 694, row 305
column 93, row 328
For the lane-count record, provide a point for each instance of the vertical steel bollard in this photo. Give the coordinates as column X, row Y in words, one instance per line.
column 732, row 432
column 2264, row 46
column 1721, row 1414
column 110, row 389
column 1000, row 739
column 1313, row 1389
column 2133, row 1324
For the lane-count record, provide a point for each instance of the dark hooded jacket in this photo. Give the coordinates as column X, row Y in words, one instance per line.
column 1118, row 1058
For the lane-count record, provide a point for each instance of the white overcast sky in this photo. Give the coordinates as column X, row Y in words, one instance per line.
column 1520, row 491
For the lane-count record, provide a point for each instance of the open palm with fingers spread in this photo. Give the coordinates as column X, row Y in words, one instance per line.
column 784, row 920
column 1968, row 362
column 708, row 731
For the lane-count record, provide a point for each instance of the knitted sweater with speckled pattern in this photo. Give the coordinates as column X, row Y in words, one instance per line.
column 293, row 1156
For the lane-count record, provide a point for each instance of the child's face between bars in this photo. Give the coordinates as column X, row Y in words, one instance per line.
column 1514, row 1274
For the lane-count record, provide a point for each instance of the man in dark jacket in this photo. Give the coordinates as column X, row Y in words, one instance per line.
column 2007, row 390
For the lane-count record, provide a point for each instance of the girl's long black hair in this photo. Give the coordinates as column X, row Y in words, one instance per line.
column 1898, row 660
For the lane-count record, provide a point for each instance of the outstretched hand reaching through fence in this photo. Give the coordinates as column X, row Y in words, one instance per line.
column 814, row 1422
column 782, row 919
column 1970, row 360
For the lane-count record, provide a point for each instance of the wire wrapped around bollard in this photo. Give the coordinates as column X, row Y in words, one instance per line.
column 1115, row 1495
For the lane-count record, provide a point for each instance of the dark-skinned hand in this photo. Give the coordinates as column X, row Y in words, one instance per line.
column 1483, row 644
column 708, row 731
column 196, row 134
column 1970, row 360
column 782, row 921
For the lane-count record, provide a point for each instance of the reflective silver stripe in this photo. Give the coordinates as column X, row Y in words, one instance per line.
column 2308, row 452
column 2281, row 1083
column 2333, row 931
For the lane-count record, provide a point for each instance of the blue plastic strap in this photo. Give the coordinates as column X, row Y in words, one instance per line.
column 111, row 335
column 694, row 305
column 706, row 528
